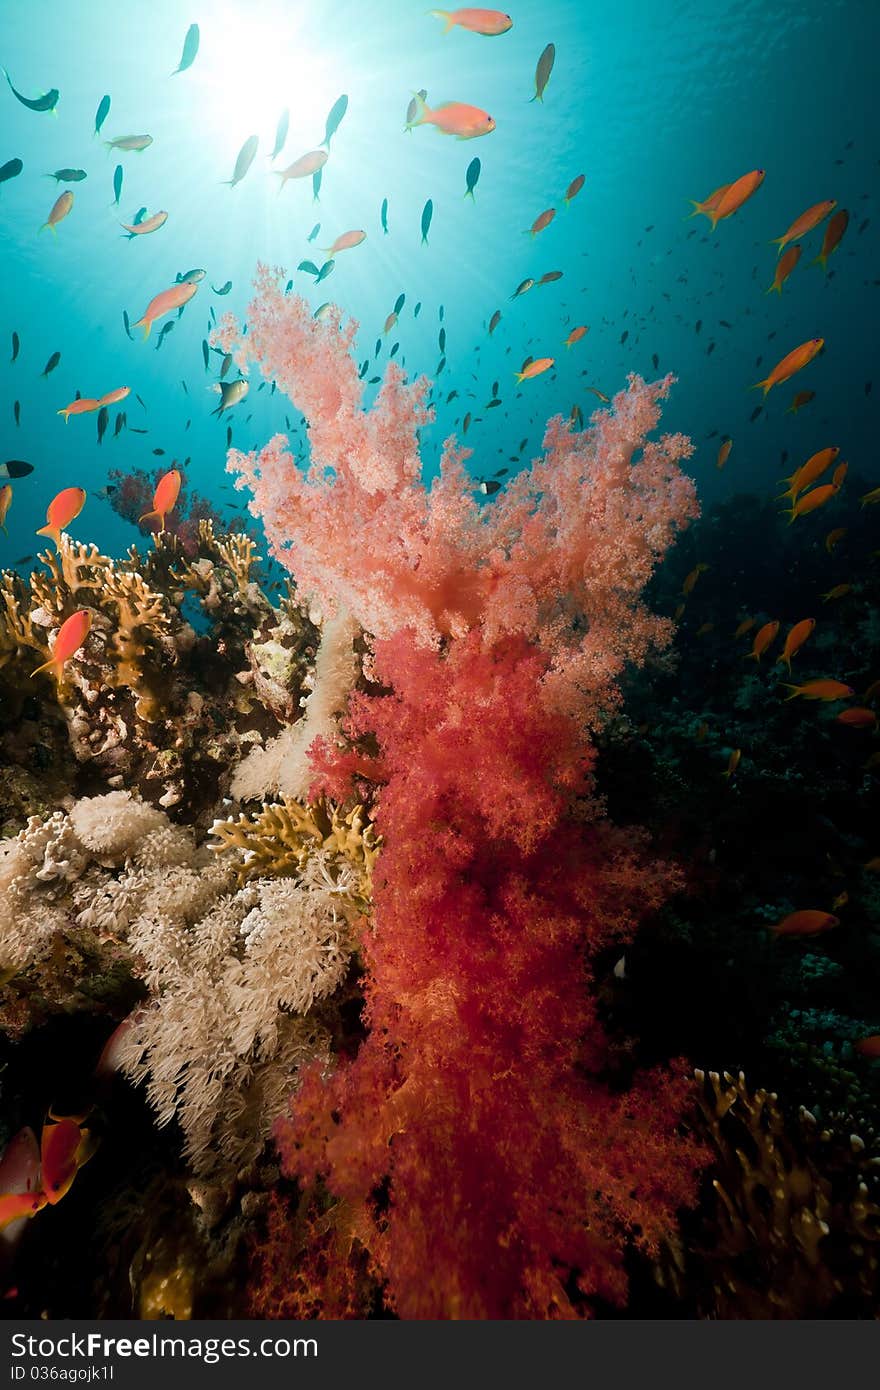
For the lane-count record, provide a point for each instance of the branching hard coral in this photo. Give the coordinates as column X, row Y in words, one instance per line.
column 148, row 702
column 490, row 1169
column 283, row 838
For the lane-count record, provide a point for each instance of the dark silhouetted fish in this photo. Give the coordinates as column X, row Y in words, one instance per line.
column 102, row 113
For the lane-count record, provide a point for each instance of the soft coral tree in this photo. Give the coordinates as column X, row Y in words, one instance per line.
column 491, row 1168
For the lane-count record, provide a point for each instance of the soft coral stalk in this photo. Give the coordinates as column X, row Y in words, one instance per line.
column 490, row 1167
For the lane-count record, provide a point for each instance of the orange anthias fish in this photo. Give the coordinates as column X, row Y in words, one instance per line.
column 691, row 579
column 763, row 639
column 805, row 223
column 574, row 188
column 833, row 237
column 71, row 635
column 114, row 397
column 784, row 266
column 576, row 334
column 83, row 405
column 811, row 501
column 64, row 508
column 708, row 205
column 821, row 690
column 810, row 471
column 542, row 221
column 724, row 453
column 21, row 1195
column 801, row 399
column 345, row 242
column 60, row 208
column 809, row 922
column 149, row 224
column 795, row 639
column 839, row 474
column 5, row 504
column 868, row 1047
column 164, row 498
column 304, row 167
column 834, row 538
column 735, row 195
column 489, row 23
column 839, row 591
column 858, row 718
column 163, row 303
column 732, row 763
column 542, row 364
column 745, row 626
column 452, row 118
column 869, row 499
column 64, row 1147
column 798, row 358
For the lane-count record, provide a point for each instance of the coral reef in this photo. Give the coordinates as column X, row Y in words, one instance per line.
column 152, row 701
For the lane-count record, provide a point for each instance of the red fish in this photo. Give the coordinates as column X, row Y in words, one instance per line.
column 806, row 923
column 64, row 508
column 764, row 637
column 163, row 303
column 735, row 195
column 164, row 498
column 793, row 361
column 805, row 223
column 452, row 118
column 784, row 266
column 834, row 231
column 64, row 1147
column 71, row 636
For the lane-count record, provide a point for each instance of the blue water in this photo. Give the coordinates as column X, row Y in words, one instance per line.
column 654, row 101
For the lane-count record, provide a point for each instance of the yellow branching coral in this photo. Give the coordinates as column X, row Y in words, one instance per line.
column 142, row 620
column 17, row 631
column 279, row 841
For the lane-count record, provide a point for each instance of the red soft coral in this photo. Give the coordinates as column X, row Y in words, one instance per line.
column 475, row 1140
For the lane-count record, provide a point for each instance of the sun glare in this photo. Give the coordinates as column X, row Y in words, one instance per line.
column 256, row 63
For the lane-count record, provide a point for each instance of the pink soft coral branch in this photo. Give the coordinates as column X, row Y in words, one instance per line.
column 561, row 557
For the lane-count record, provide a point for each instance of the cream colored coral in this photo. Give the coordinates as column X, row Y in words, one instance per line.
column 113, row 826
column 282, row 766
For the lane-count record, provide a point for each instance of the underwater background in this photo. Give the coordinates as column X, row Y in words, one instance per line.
column 767, row 805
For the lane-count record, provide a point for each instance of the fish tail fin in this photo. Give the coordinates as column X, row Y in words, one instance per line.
column 697, row 209
column 52, row 532
column 445, row 16
column 778, row 241
column 147, row 324
column 821, row 259
column 469, row 193
column 520, row 376
column 793, row 688
column 3, row 529
column 762, row 385
column 148, row 516
column 50, row 665
column 65, row 412
column 786, row 660
column 775, row 286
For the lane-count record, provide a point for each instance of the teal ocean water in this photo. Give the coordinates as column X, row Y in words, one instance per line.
column 655, row 102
